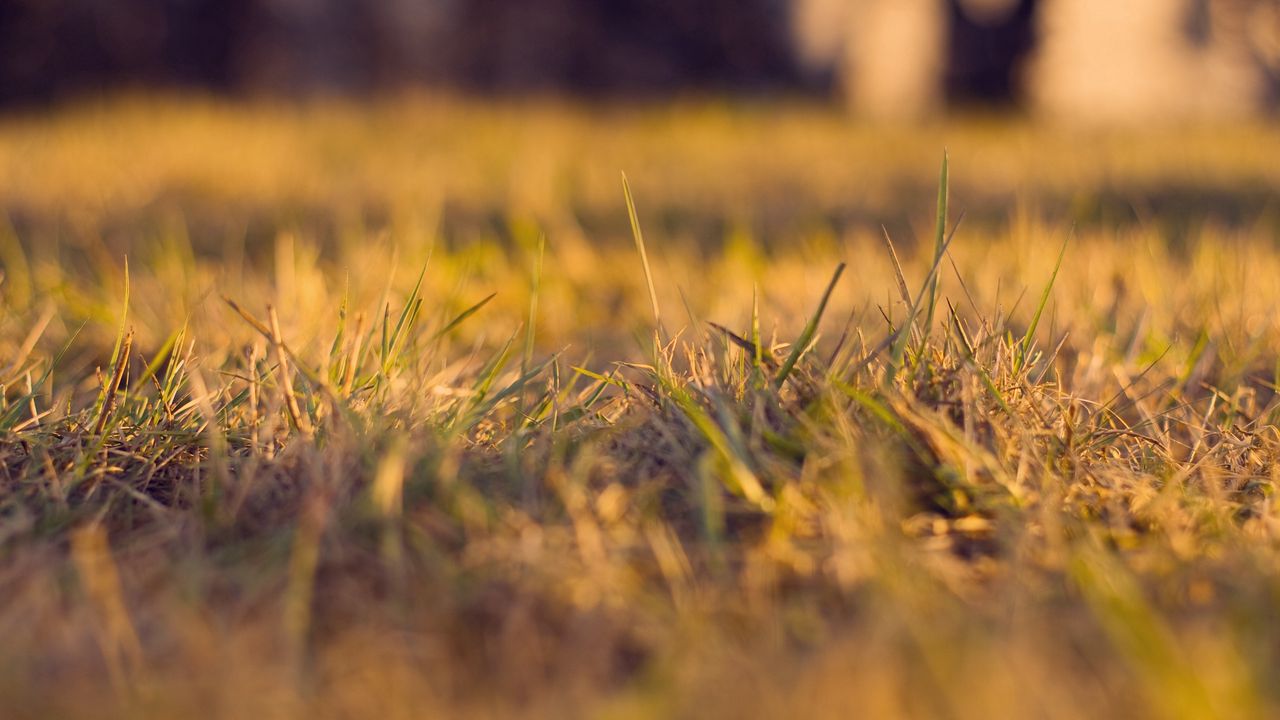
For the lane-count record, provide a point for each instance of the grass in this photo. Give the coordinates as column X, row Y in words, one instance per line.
column 394, row 411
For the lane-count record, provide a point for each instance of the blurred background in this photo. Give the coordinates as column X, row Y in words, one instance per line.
column 1091, row 60
column 783, row 124
column 485, row 118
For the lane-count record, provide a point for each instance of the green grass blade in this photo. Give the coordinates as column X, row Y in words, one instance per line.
column 810, row 329
column 939, row 239
column 1030, row 336
column 644, row 256
column 532, row 326
column 162, row 355
column 757, row 356
column 462, row 317
column 898, row 340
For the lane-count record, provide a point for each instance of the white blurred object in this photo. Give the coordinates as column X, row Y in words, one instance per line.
column 820, row 30
column 1094, row 61
column 1143, row 60
column 895, row 58
column 886, row 55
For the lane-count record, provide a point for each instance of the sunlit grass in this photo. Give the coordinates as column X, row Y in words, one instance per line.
column 417, row 410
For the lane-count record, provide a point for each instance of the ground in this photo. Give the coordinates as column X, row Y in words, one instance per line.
column 411, row 409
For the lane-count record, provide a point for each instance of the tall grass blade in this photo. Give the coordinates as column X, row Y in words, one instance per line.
column 531, row 328
column 939, row 240
column 644, row 256
column 897, row 267
column 112, row 389
column 810, row 329
column 897, row 341
column 120, row 336
column 1030, row 336
column 757, row 356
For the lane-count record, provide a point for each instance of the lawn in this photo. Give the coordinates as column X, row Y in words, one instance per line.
column 418, row 409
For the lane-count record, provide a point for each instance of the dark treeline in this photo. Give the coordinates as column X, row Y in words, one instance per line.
column 56, row 48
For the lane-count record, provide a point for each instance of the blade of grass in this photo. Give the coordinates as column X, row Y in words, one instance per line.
column 112, row 389
column 300, row 421
column 741, row 480
column 897, row 267
column 531, row 328
column 115, row 352
column 162, row 355
column 939, row 240
column 810, row 329
column 462, row 317
column 29, row 343
column 753, row 350
column 897, row 340
column 1030, row 336
column 409, row 313
column 758, row 353
column 335, row 369
column 644, row 256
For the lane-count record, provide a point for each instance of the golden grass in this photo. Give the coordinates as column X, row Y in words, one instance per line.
column 266, row 471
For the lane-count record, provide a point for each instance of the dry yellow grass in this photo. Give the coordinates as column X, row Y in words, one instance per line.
column 324, row 488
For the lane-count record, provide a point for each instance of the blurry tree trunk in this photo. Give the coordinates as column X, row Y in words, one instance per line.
column 1144, row 60
column 895, row 57
column 892, row 58
column 1095, row 61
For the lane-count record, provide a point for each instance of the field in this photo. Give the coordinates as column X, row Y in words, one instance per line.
column 418, row 409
